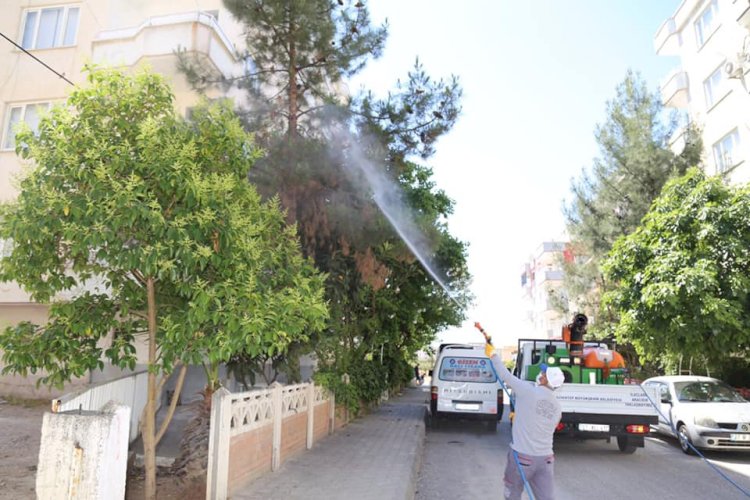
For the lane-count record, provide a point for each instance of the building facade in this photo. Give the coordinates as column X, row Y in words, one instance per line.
column 712, row 83
column 542, row 284
column 67, row 35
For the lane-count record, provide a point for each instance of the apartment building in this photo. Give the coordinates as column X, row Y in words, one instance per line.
column 67, row 35
column 712, row 84
column 541, row 279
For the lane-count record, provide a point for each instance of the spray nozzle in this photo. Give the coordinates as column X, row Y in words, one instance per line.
column 487, row 338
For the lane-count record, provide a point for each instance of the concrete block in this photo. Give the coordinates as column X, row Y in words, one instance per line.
column 83, row 454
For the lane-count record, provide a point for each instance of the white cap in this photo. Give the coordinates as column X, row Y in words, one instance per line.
column 555, row 377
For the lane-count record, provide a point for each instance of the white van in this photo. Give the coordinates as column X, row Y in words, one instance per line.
column 464, row 385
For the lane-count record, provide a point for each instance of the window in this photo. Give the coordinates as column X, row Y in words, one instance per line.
column 706, row 24
column 714, row 87
column 50, row 27
column 725, row 151
column 27, row 113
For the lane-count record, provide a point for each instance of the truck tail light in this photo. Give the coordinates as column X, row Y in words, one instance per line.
column 499, row 397
column 560, row 426
column 433, row 393
column 637, row 429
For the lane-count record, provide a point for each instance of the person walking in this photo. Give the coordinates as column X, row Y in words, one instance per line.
column 537, row 413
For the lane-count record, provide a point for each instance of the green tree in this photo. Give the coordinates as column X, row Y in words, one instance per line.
column 611, row 199
column 681, row 281
column 134, row 222
column 299, row 51
column 303, row 51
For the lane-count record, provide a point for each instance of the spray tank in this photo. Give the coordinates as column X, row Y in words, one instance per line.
column 582, row 362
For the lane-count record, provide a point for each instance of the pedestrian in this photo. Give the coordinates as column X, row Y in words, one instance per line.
column 417, row 375
column 537, row 413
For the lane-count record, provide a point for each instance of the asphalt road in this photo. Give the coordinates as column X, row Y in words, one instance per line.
column 463, row 460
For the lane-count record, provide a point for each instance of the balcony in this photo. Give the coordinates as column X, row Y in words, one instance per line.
column 744, row 17
column 675, row 92
column 162, row 35
column 668, row 39
column 550, row 275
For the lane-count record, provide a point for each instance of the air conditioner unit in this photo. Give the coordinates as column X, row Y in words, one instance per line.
column 732, row 70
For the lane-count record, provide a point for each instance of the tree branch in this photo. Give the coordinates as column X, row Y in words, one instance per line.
column 172, row 404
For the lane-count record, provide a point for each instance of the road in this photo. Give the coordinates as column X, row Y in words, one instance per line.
column 463, row 460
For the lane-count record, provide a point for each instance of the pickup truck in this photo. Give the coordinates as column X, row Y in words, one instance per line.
column 596, row 404
column 606, row 411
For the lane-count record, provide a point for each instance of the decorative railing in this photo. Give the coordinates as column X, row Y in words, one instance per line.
column 235, row 414
column 251, row 410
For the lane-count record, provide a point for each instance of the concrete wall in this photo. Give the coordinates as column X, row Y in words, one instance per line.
column 83, row 455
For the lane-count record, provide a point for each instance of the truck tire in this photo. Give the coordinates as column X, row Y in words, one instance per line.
column 625, row 445
column 492, row 425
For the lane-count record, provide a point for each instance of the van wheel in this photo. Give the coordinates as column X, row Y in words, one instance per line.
column 492, row 425
column 434, row 422
column 625, row 446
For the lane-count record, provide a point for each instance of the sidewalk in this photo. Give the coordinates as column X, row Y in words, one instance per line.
column 374, row 457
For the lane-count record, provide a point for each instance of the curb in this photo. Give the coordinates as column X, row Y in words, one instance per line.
column 419, row 450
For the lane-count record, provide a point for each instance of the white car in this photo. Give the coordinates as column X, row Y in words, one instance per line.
column 702, row 411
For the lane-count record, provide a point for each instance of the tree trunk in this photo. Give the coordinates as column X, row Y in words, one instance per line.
column 149, row 421
column 292, row 132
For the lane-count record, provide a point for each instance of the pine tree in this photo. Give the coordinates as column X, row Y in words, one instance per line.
column 303, row 52
column 610, row 200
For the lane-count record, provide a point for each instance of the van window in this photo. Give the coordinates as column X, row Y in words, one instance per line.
column 458, row 369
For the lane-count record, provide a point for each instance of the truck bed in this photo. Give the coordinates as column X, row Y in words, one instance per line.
column 607, row 399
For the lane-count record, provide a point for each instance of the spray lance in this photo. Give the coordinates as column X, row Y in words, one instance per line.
column 488, row 340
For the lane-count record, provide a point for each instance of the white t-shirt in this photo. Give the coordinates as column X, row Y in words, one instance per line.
column 537, row 413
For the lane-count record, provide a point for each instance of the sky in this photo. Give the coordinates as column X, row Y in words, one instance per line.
column 536, row 76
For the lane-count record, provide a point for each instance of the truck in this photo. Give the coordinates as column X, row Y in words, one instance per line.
column 596, row 402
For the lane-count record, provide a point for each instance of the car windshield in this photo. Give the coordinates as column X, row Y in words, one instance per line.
column 706, row 391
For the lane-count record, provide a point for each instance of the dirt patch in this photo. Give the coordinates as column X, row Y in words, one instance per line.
column 20, row 433
column 168, row 486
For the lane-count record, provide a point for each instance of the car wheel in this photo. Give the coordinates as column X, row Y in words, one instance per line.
column 492, row 425
column 684, row 438
column 625, row 446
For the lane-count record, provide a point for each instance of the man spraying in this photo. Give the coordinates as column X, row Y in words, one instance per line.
column 537, row 413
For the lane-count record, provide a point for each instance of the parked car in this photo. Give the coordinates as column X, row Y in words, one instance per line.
column 702, row 411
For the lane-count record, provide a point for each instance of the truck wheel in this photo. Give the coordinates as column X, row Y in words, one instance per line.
column 684, row 438
column 492, row 425
column 625, row 446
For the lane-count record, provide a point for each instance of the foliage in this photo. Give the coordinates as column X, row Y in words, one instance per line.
column 381, row 298
column 682, row 279
column 299, row 51
column 611, row 199
column 134, row 222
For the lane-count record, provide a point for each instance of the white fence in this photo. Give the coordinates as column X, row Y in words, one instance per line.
column 130, row 390
column 233, row 414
